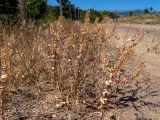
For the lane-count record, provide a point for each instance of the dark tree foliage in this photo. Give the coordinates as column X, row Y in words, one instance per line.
column 151, row 9
column 109, row 14
column 64, row 3
column 94, row 14
column 8, row 11
column 69, row 11
column 146, row 11
column 73, row 13
column 130, row 13
column 36, row 8
column 113, row 15
column 52, row 13
column 8, row 6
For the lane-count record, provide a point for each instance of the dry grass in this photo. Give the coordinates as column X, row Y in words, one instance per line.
column 152, row 19
column 79, row 59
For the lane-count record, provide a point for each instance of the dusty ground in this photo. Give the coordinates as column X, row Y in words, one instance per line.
column 147, row 104
column 152, row 32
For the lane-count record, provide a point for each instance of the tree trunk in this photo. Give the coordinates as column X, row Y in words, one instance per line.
column 78, row 14
column 22, row 10
column 70, row 12
column 75, row 13
column 61, row 8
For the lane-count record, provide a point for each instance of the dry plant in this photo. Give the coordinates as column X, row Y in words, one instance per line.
column 79, row 59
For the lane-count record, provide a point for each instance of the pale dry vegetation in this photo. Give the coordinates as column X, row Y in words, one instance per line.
column 151, row 19
column 78, row 62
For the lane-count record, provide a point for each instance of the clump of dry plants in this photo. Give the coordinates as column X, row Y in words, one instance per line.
column 79, row 59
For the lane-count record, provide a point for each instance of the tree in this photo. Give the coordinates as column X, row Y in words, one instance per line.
column 52, row 13
column 33, row 9
column 94, row 14
column 78, row 13
column 130, row 13
column 8, row 11
column 113, row 15
column 146, row 11
column 36, row 8
column 151, row 9
column 110, row 14
column 70, row 10
column 22, row 10
column 62, row 3
column 8, row 6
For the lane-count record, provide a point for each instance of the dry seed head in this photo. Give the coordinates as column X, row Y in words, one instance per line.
column 138, row 71
column 3, row 76
column 102, row 101
column 107, row 83
column 105, row 92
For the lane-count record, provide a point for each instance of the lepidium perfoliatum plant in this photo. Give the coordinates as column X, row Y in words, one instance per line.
column 79, row 59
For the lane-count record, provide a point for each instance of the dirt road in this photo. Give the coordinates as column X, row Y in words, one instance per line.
column 148, row 106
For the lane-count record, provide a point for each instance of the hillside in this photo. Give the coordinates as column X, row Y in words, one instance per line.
column 141, row 19
column 126, row 12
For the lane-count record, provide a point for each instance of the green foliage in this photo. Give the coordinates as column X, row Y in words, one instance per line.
column 69, row 10
column 109, row 14
column 100, row 14
column 130, row 13
column 83, row 14
column 51, row 14
column 8, row 6
column 36, row 8
column 146, row 11
column 8, row 11
column 113, row 15
column 151, row 9
column 105, row 13
column 63, row 2
column 7, row 19
column 38, row 11
column 94, row 14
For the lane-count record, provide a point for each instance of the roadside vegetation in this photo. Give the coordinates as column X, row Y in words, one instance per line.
column 65, row 69
column 41, row 12
column 81, row 65
column 148, row 16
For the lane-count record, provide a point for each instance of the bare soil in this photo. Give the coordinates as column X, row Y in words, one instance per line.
column 146, row 106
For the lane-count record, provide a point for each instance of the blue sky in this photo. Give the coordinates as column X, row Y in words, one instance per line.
column 114, row 4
